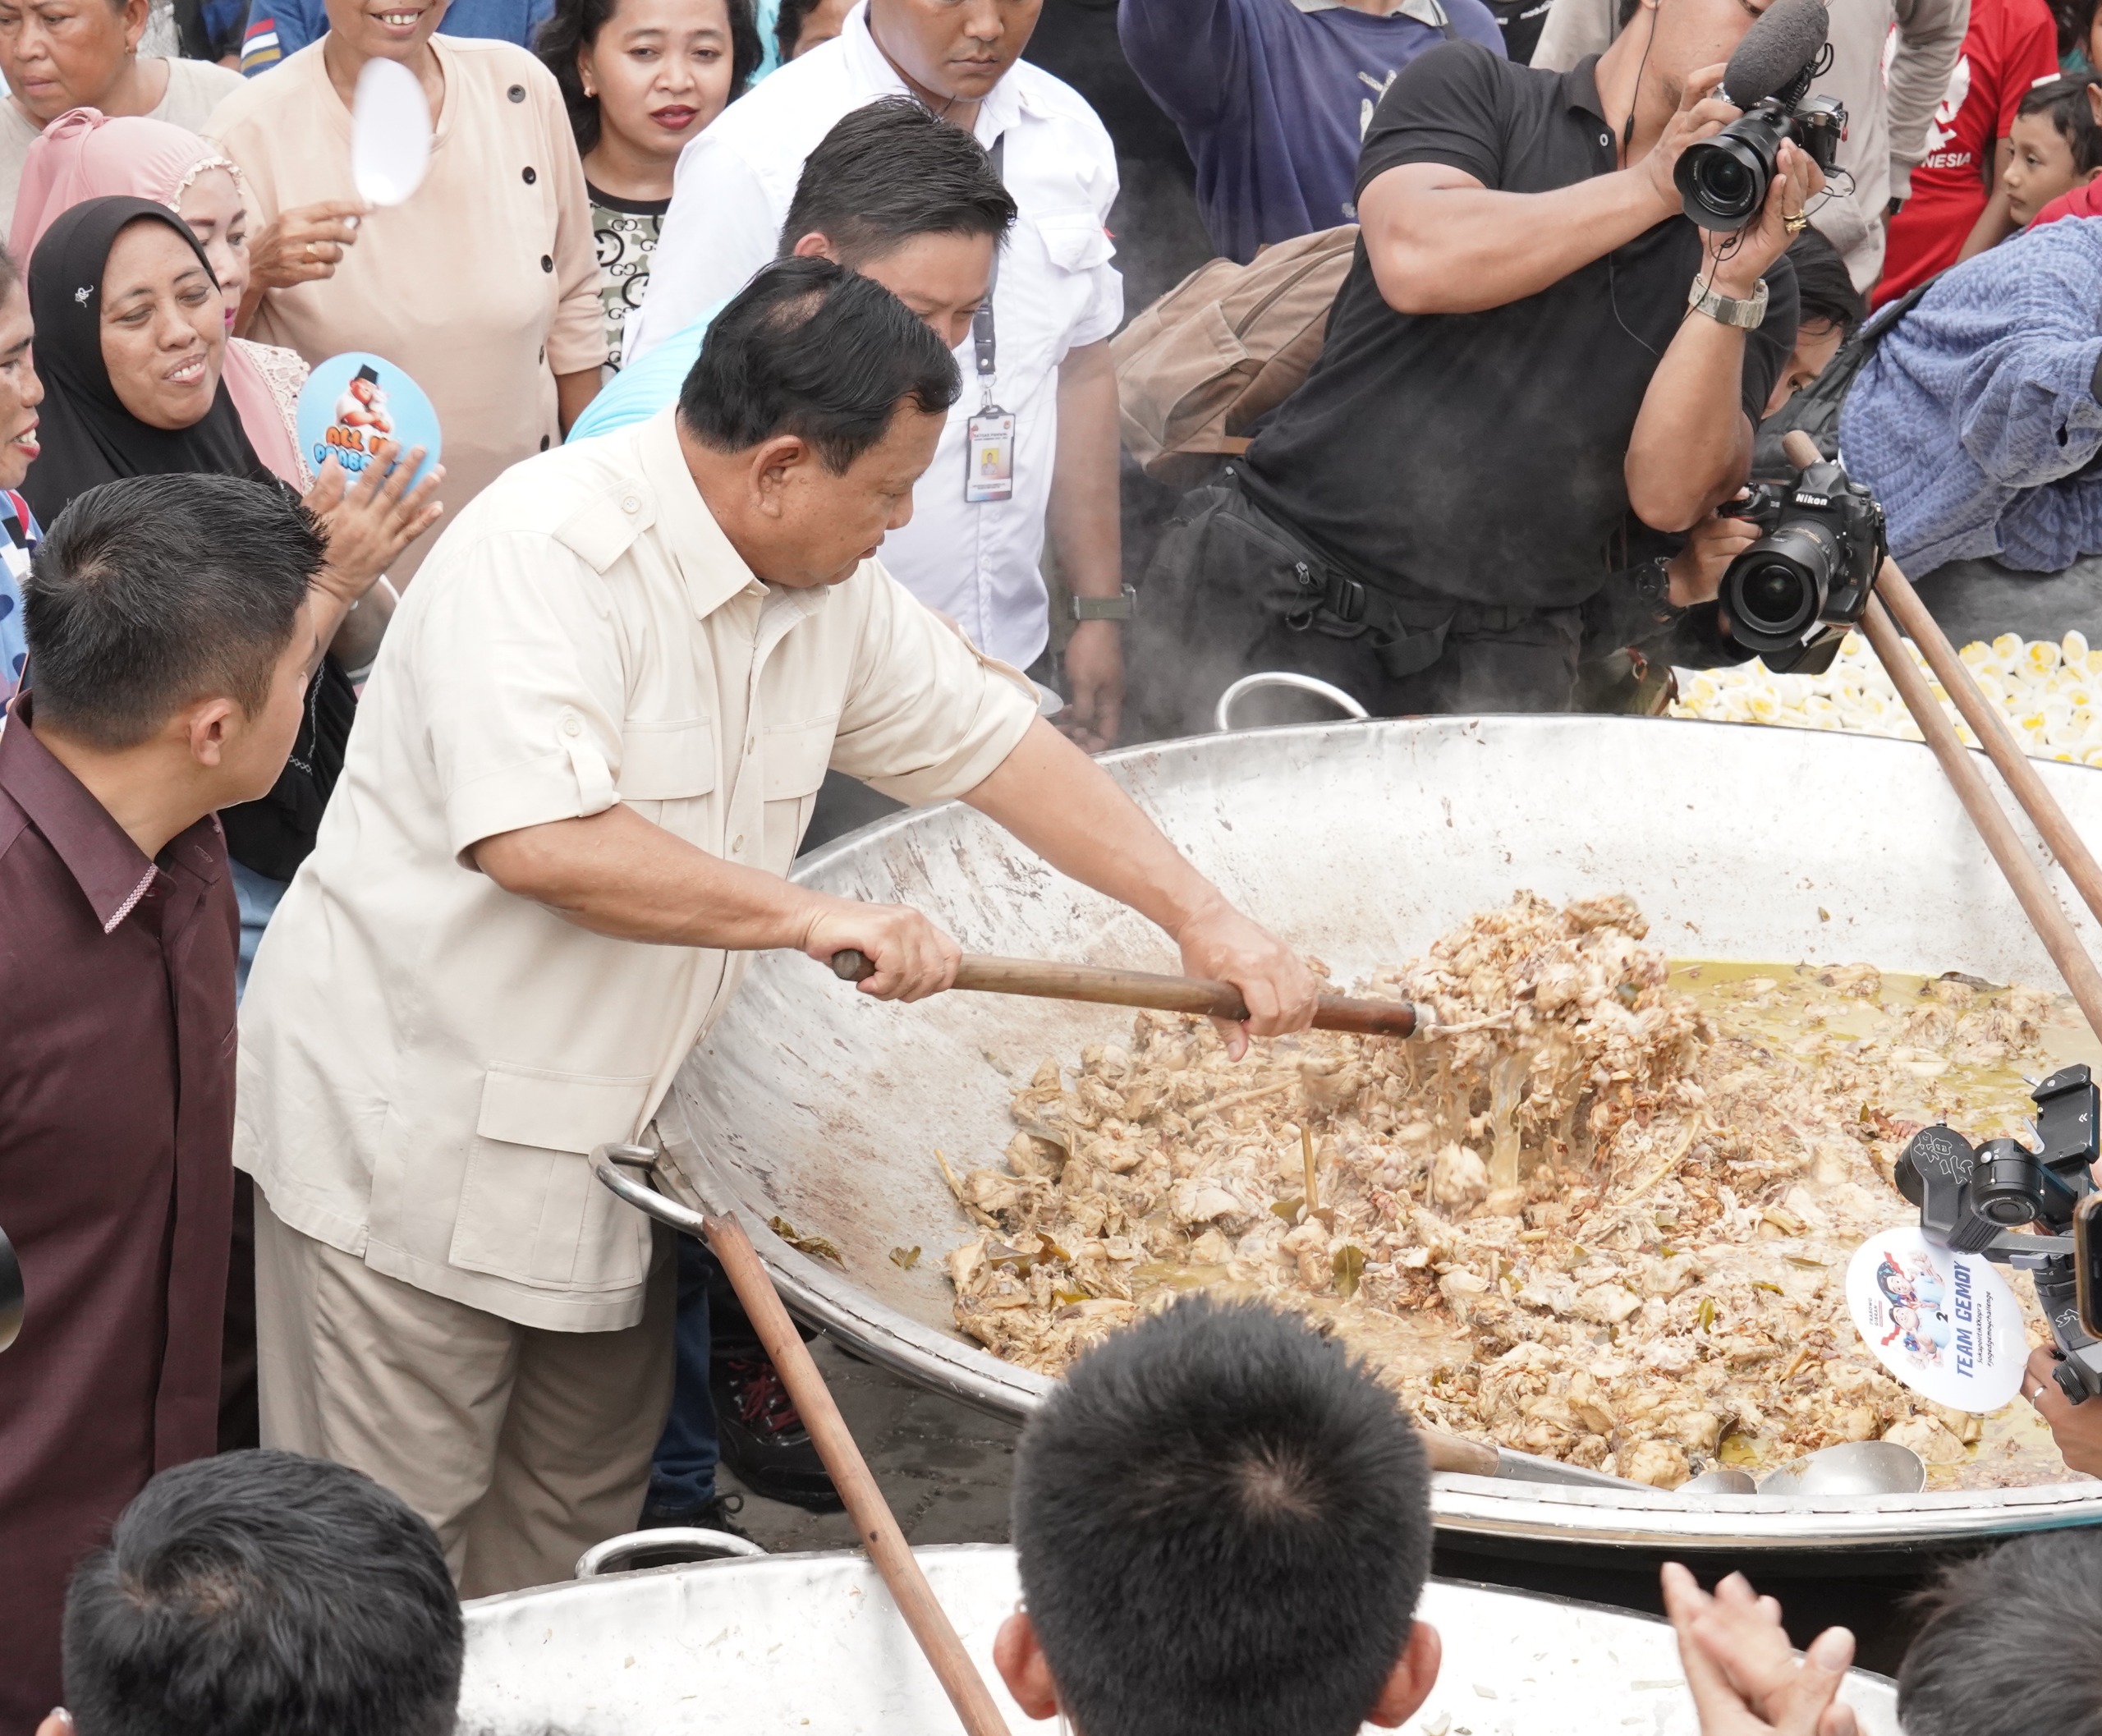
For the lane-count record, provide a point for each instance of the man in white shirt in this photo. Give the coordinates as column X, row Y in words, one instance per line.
column 580, row 771
column 1890, row 64
column 1036, row 427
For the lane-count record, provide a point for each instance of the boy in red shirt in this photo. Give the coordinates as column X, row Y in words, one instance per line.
column 2086, row 199
column 2010, row 45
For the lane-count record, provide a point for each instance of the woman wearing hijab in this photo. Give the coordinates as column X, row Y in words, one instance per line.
column 132, row 343
column 131, row 346
column 85, row 154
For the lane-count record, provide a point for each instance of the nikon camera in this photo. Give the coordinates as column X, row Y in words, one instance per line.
column 1817, row 565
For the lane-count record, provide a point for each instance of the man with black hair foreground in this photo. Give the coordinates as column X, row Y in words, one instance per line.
column 890, row 192
column 263, row 1594
column 1536, row 378
column 171, row 641
column 2011, row 1644
column 581, row 771
column 1223, row 1526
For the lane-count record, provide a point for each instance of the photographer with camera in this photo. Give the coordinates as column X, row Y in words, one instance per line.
column 1536, row 365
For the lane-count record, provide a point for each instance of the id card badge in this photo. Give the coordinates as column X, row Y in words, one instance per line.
column 990, row 455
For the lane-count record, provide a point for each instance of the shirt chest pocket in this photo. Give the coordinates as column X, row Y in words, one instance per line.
column 796, row 757
column 667, row 773
column 1074, row 239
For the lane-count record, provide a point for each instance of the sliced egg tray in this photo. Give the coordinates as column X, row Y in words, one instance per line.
column 2050, row 691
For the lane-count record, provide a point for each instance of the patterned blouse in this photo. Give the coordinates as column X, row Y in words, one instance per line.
column 626, row 229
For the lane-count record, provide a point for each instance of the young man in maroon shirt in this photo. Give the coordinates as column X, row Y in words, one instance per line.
column 171, row 639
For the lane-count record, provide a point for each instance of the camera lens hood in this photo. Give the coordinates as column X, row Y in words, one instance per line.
column 1775, row 591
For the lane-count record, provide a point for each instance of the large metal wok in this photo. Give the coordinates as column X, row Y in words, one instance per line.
column 1360, row 842
column 812, row 1645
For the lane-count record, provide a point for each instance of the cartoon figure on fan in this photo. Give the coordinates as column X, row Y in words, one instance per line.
column 1917, row 1322
column 363, row 405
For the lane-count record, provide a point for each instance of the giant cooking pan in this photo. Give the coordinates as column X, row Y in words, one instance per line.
column 1360, row 842
column 812, row 1646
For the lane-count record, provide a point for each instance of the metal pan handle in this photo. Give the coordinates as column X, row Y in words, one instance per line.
column 615, row 1553
column 610, row 1163
column 1222, row 715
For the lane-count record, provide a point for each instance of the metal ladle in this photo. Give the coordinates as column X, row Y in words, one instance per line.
column 1859, row 1467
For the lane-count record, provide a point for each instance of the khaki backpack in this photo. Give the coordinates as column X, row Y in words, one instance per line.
column 1226, row 344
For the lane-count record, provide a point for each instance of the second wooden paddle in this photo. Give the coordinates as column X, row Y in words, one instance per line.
column 851, row 1477
column 1047, row 980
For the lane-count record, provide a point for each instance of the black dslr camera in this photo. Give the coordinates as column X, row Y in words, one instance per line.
column 1981, row 1201
column 1723, row 180
column 1816, row 564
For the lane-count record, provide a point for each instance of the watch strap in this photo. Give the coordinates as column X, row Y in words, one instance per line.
column 1746, row 314
column 1121, row 607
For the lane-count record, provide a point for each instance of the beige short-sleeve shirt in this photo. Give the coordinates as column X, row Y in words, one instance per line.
column 484, row 286
column 426, row 1060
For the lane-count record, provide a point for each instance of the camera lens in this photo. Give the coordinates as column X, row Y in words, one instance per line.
column 1724, row 184
column 1774, row 591
column 1771, row 592
column 1723, row 181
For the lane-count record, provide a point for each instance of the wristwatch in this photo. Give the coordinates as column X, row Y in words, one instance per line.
column 1119, row 607
column 1727, row 309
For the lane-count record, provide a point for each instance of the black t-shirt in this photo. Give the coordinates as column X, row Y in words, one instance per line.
column 1480, row 456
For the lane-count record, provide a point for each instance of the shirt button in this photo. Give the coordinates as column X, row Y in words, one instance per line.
column 737, row 842
column 543, row 443
column 530, row 176
column 547, row 263
column 631, row 504
column 517, row 92
column 572, row 727
column 752, row 745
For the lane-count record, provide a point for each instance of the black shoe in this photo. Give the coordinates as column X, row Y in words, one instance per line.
column 762, row 1437
column 715, row 1515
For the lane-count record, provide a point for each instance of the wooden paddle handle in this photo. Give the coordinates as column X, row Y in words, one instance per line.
column 1451, row 1453
column 2023, row 877
column 1991, row 729
column 851, row 1477
column 1047, row 980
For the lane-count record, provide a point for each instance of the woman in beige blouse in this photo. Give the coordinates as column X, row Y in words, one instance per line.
column 483, row 288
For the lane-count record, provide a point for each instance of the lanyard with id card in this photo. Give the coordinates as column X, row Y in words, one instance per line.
column 988, row 452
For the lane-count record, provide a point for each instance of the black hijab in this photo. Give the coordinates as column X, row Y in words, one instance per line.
column 86, row 434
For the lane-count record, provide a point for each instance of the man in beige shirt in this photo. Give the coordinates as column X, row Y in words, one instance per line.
column 484, row 286
column 579, row 772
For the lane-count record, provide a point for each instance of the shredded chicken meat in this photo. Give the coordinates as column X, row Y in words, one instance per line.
column 1601, row 1212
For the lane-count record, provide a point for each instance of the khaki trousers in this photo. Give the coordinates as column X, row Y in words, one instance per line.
column 522, row 1447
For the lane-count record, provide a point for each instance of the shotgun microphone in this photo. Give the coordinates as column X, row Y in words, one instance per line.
column 1775, row 52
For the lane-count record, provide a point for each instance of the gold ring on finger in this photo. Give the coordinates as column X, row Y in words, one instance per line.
column 1797, row 223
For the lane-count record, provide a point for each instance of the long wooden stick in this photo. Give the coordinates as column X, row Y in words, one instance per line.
column 2023, row 875
column 1919, row 625
column 1049, row 981
column 851, row 1475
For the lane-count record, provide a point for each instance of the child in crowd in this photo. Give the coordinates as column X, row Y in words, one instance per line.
column 261, row 1591
column 1259, row 1508
column 1956, row 207
column 2056, row 147
column 639, row 78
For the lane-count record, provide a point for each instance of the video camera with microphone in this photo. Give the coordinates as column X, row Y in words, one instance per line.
column 1980, row 1200
column 1723, row 180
